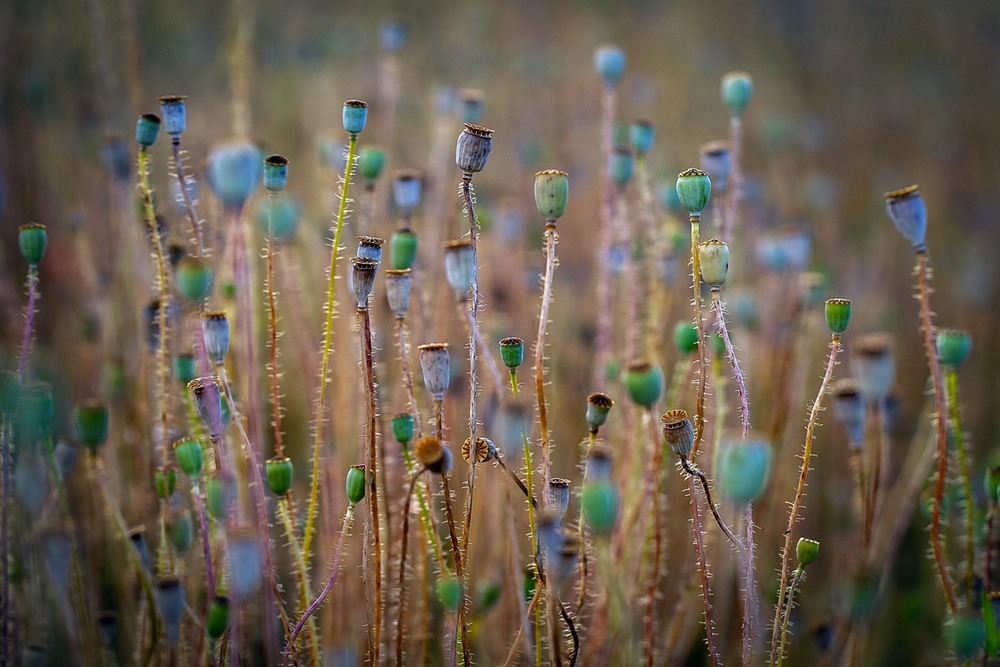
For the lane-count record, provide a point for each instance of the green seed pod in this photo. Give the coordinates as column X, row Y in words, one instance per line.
column 678, row 432
column 953, row 346
column 279, row 472
column 551, row 193
column 371, row 162
column 838, row 315
column 694, row 188
column 600, row 501
column 147, row 129
column 449, row 592
column 165, row 481
column 278, row 217
column 736, row 89
column 402, row 249
column 806, row 550
column 640, row 136
column 487, row 595
column 217, row 621
column 90, row 423
column 966, row 635
column 621, row 166
column 744, row 469
column 185, row 368
column 189, row 456
column 598, row 407
column 355, row 116
column 275, row 172
column 714, row 258
column 215, row 496
column 686, row 337
column 35, row 413
column 992, row 485
column 473, row 148
column 355, row 484
column 403, row 427
column 511, row 352
column 194, row 279
column 644, row 382
column 32, row 239
column 180, row 530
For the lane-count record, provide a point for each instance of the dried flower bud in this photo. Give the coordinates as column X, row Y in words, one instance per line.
column 849, row 409
column 598, row 407
column 694, row 188
column 907, row 211
column 714, row 258
column 363, row 279
column 460, row 266
column 435, row 362
column 473, row 148
column 398, row 286
column 355, row 116
column 275, row 172
column 551, row 193
column 609, row 62
column 744, row 469
column 137, row 538
column 174, row 114
column 736, row 89
column 644, row 382
column 678, row 432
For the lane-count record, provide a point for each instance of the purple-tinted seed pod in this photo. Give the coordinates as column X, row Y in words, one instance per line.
column 246, row 563
column 435, row 362
column 208, row 399
column 598, row 463
column 558, row 493
column 363, row 279
column 174, row 114
column 873, row 366
column 470, row 103
column 275, row 172
column 370, row 247
column 65, row 454
column 169, row 596
column 609, row 63
column 473, row 148
column 407, row 185
column 460, row 266
column 393, row 34
column 717, row 159
column 849, row 409
column 137, row 538
column 234, row 173
column 147, row 129
column 215, row 327
column 907, row 211
column 678, row 432
column 57, row 549
column 355, row 116
column 398, row 287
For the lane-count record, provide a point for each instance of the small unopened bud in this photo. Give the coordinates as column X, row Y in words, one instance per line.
column 694, row 187
column 806, row 550
column 713, row 256
column 551, row 193
column 511, row 352
column 174, row 114
column 678, row 432
column 644, row 382
column 485, row 450
column 356, row 484
column 215, row 328
column 473, row 148
column 907, row 211
column 275, row 172
column 435, row 362
column 849, row 409
column 736, row 89
column 363, row 279
column 398, row 287
column 355, row 116
column 598, row 407
column 460, row 266
column 953, row 346
column 873, row 366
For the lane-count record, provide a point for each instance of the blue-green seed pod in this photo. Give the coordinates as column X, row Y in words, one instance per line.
column 32, row 239
column 275, row 172
column 460, row 266
column 678, row 431
column 174, row 114
column 215, row 497
column 407, row 187
column 694, row 187
column 246, row 564
column 600, row 501
column 488, row 593
column 873, row 366
column 511, row 351
column 449, row 592
column 189, row 456
column 137, row 538
column 194, row 278
column 371, row 162
column 713, row 256
column 90, row 423
column 278, row 217
column 609, row 62
column 736, row 89
column 217, row 621
column 234, row 173
column 147, row 129
column 644, row 382
column 669, row 199
column 169, row 596
column 35, row 413
column 370, row 247
column 279, row 472
column 473, row 148
column 598, row 408
column 398, row 287
column 403, row 428
column 907, row 211
column 470, row 104
column 686, row 337
column 165, row 481
column 185, row 367
column 640, row 136
column 402, row 249
column 363, row 279
column 355, row 116
column 551, row 193
column 621, row 166
column 717, row 159
column 180, row 530
column 215, row 328
column 966, row 636
column 744, row 469
column 953, row 346
column 806, row 551
column 849, row 409
column 393, row 34
column 838, row 315
column 356, row 484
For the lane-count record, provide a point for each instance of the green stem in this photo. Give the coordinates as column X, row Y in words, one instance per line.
column 951, row 380
column 529, row 482
column 699, row 424
column 301, row 576
column 799, row 571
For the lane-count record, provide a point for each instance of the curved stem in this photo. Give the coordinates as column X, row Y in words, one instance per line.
column 692, row 469
column 731, row 353
column 551, row 239
column 319, row 418
column 301, row 572
column 699, row 422
column 800, row 489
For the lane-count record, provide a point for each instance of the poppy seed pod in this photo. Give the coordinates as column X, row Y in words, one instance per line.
column 717, row 159
column 873, row 366
column 485, row 450
column 370, row 247
column 598, row 463
column 678, row 432
column 246, row 564
column 600, row 500
column 470, row 104
column 598, row 407
column 744, row 469
column 180, row 529
column 621, row 166
column 219, row 496
column 165, row 481
column 435, row 362
column 551, row 193
column 393, row 34
column 371, row 162
column 953, row 346
column 278, row 217
column 275, row 172
column 169, row 596
column 363, row 279
column 558, row 493
column 806, row 550
column 407, row 185
column 107, row 626
column 215, row 328
column 640, row 136
column 403, row 249
column 208, row 400
column 460, row 266
column 355, row 116
column 473, row 148
column 355, row 484
column 511, row 352
column 279, row 472
column 907, row 211
column 686, row 337
column 174, row 114
column 449, row 592
column 32, row 240
column 714, row 258
column 849, row 409
column 644, row 382
column 137, row 538
column 398, row 286
column 189, row 456
column 234, row 172
column 90, row 423
column 736, row 89
column 403, row 427
column 433, row 455
column 694, row 187
column 217, row 621
column 838, row 315
column 194, row 279
column 65, row 453
column 609, row 63
column 147, row 129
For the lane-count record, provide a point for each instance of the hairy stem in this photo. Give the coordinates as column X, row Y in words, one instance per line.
column 653, row 584
column 186, row 198
column 401, row 602
column 699, row 420
column 374, row 472
column 703, row 572
column 951, row 379
column 734, row 362
column 551, row 239
column 29, row 322
column 799, row 571
column 404, row 356
column 301, row 573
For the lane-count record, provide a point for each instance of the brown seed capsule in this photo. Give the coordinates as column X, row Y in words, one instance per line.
column 485, row 450
column 678, row 431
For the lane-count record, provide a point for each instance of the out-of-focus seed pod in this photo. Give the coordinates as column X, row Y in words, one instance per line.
column 598, row 463
column 640, row 136
column 393, row 34
column 169, row 595
column 644, row 382
column 621, row 166
column 907, row 211
column 686, row 337
column 678, row 432
column 217, row 621
column 65, row 454
column 470, row 103
column 433, row 455
column 137, row 537
column 473, row 148
column 90, row 423
column 460, row 266
column 189, row 456
column 398, row 287
column 180, row 529
column 849, row 409
column 736, row 90
column 449, row 592
column 600, row 501
column 744, row 469
column 873, row 367
column 246, row 564
column 194, row 279
column 371, row 162
column 717, row 159
column 165, row 481
column 185, row 368
column 609, row 63
column 278, row 217
column 234, row 173
column 407, row 185
column 559, row 493
column 953, row 346
column 215, row 328
column 174, row 114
